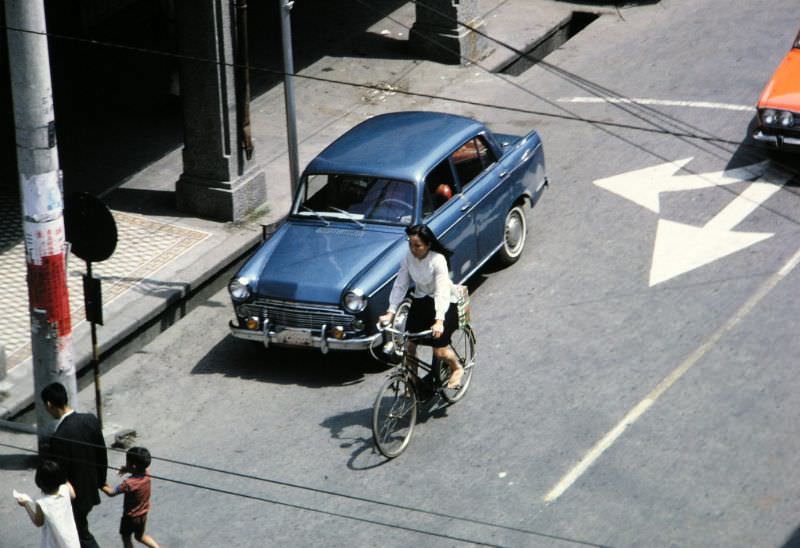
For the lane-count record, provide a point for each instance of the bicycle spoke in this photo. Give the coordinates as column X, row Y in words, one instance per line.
column 394, row 416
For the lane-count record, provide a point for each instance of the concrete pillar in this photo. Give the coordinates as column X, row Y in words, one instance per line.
column 218, row 181
column 437, row 35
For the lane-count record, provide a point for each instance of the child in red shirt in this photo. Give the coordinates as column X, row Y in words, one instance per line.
column 137, row 497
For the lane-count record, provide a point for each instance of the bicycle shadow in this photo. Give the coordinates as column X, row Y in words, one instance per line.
column 364, row 454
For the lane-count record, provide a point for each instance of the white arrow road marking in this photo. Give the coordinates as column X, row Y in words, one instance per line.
column 680, row 248
column 644, row 185
column 657, row 102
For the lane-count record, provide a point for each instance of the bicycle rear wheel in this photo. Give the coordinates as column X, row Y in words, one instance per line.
column 463, row 344
column 394, row 416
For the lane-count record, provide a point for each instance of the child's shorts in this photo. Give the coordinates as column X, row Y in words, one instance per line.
column 130, row 525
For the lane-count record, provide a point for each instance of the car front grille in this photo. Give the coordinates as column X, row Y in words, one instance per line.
column 297, row 315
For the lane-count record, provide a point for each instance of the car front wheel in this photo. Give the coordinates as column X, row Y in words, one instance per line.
column 514, row 232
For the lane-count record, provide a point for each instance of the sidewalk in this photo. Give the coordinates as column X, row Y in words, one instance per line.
column 163, row 257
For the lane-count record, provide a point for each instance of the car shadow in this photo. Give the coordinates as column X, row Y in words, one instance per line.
column 232, row 357
column 749, row 152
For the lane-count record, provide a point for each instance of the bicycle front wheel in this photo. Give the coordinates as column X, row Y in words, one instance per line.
column 394, row 416
column 462, row 343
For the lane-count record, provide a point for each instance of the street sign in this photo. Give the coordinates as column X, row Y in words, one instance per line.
column 93, row 299
column 91, row 229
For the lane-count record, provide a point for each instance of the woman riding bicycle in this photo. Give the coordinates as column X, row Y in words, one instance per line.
column 433, row 302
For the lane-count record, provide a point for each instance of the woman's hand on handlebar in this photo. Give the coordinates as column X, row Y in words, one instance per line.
column 437, row 329
column 386, row 319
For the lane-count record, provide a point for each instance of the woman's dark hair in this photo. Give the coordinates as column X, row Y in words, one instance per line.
column 138, row 459
column 429, row 238
column 49, row 476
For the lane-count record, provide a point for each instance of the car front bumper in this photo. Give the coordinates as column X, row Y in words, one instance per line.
column 302, row 338
column 779, row 141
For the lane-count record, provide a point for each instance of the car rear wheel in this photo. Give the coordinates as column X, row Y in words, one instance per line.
column 515, row 230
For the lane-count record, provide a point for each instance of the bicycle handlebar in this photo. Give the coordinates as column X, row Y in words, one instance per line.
column 417, row 335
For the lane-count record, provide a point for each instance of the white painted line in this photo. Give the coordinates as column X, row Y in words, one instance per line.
column 745, row 203
column 657, row 102
column 633, row 415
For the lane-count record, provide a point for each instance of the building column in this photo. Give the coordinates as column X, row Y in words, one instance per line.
column 437, row 35
column 218, row 181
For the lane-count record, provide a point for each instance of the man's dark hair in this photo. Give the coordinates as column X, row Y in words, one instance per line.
column 49, row 476
column 56, row 394
column 137, row 459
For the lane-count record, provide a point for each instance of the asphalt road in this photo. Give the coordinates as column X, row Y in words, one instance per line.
column 628, row 392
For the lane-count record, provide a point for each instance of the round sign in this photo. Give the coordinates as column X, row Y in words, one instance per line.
column 91, row 229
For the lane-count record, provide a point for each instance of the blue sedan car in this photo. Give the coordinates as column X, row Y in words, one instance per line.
column 325, row 275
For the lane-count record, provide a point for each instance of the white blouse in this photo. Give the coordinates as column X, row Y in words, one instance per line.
column 430, row 277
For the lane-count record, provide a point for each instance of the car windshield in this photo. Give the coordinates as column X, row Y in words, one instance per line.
column 356, row 198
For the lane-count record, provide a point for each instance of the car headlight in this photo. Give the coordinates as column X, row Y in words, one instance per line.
column 354, row 300
column 786, row 119
column 238, row 288
column 769, row 116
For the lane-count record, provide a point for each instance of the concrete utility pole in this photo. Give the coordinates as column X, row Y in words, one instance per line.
column 42, row 203
column 288, row 92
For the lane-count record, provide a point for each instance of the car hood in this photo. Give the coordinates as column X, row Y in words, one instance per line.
column 315, row 263
column 783, row 90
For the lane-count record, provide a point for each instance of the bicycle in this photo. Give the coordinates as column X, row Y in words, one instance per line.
column 394, row 413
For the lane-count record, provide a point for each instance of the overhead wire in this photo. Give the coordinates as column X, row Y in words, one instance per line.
column 588, row 85
column 680, row 129
column 372, row 87
column 751, row 151
column 355, row 498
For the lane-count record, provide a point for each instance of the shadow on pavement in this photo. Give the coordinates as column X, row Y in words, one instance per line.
column 793, row 541
column 365, row 455
column 18, row 462
column 114, row 83
column 232, row 357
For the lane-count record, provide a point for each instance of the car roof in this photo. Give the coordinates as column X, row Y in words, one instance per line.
column 398, row 145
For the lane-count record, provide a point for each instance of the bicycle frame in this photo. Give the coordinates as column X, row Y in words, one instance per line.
column 395, row 409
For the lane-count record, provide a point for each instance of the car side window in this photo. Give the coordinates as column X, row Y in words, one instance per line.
column 440, row 186
column 471, row 159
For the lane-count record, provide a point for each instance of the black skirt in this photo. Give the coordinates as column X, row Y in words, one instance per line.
column 421, row 317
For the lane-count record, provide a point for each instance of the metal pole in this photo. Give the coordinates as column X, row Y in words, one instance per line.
column 288, row 92
column 243, row 66
column 98, row 400
column 42, row 203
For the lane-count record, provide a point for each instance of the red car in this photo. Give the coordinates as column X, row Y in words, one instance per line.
column 779, row 105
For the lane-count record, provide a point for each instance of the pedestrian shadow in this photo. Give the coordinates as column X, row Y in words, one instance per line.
column 249, row 360
column 18, row 462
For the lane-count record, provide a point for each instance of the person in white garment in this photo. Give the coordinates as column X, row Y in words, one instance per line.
column 53, row 511
column 433, row 301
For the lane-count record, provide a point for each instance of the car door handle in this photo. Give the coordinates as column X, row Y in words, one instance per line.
column 466, row 206
column 502, row 174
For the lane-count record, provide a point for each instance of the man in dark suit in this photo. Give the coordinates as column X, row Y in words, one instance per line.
column 79, row 448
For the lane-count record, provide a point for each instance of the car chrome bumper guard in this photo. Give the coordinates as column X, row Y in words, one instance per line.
column 310, row 338
column 777, row 140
